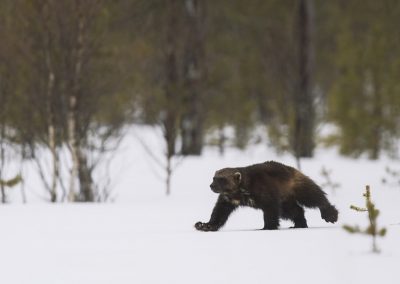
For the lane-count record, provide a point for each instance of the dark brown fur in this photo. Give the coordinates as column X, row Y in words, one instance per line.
column 279, row 190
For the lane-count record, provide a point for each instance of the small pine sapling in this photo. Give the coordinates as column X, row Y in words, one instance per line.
column 373, row 213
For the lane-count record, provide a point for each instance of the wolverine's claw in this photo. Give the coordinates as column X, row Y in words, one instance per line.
column 198, row 225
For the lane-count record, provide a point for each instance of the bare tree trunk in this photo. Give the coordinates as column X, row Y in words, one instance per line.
column 23, row 157
column 85, row 179
column 51, row 132
column 303, row 140
column 73, row 148
column 55, row 175
column 170, row 137
column 54, row 154
column 3, row 194
column 73, row 138
column 171, row 110
column 2, row 162
column 23, row 192
column 192, row 122
column 45, row 11
column 169, row 175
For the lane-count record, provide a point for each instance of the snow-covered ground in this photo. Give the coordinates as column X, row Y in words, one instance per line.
column 145, row 237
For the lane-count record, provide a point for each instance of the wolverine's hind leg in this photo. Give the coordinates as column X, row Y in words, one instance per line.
column 311, row 195
column 294, row 212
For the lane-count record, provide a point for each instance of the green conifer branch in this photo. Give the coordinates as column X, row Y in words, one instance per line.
column 359, row 209
column 352, row 229
column 373, row 214
column 11, row 182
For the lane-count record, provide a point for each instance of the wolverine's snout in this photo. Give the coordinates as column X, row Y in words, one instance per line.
column 214, row 187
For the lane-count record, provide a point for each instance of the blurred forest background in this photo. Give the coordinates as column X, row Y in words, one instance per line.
column 74, row 73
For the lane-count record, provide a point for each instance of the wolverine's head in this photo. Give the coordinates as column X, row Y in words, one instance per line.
column 226, row 181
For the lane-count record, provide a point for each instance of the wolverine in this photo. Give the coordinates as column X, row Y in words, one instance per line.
column 280, row 191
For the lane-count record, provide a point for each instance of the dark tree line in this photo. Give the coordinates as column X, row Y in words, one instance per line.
column 193, row 68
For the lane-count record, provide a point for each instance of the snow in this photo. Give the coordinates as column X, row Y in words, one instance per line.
column 145, row 237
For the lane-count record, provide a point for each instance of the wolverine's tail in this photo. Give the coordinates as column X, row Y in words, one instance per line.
column 329, row 213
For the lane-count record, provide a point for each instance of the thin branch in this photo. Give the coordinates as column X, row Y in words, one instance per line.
column 41, row 174
column 150, row 152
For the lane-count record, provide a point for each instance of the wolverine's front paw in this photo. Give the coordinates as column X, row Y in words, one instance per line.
column 205, row 227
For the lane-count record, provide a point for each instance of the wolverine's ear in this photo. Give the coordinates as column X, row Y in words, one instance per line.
column 238, row 176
